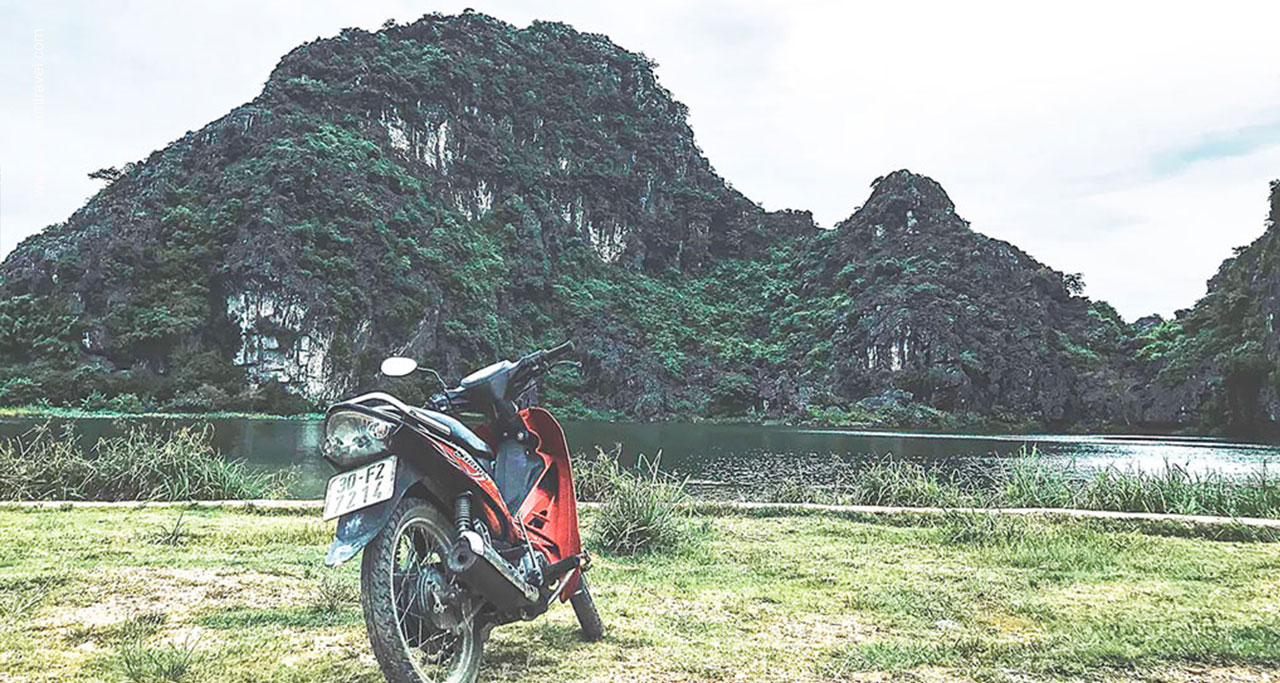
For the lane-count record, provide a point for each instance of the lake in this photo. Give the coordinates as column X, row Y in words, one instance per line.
column 717, row 456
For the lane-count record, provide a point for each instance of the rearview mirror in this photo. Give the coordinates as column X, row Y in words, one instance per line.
column 398, row 366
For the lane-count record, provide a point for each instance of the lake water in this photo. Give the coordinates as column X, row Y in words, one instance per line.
column 746, row 456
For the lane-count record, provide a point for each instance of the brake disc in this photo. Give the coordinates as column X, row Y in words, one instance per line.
column 442, row 601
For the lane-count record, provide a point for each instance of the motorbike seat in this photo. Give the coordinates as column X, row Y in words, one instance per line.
column 457, row 432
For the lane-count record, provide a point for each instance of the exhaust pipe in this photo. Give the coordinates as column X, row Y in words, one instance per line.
column 479, row 566
column 555, row 570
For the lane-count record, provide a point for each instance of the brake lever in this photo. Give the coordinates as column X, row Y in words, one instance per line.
column 538, row 369
column 444, row 386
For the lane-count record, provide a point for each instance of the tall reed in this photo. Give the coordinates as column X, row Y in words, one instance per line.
column 141, row 464
column 1029, row 480
column 641, row 511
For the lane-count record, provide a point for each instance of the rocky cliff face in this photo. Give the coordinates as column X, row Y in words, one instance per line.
column 460, row 190
column 944, row 316
column 421, row 190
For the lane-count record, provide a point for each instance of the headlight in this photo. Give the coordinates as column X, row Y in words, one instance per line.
column 351, row 437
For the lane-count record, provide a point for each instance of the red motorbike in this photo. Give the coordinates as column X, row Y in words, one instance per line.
column 461, row 531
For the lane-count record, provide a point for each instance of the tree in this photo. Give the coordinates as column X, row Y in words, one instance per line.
column 109, row 174
column 1074, row 283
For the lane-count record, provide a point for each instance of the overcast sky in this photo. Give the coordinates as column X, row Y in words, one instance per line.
column 1131, row 142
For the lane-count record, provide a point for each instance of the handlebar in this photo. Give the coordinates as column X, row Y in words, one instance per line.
column 450, row 401
column 522, row 372
column 535, row 364
column 554, row 353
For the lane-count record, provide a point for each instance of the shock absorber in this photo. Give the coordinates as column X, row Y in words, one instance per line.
column 462, row 512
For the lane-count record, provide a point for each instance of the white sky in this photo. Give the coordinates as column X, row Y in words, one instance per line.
column 1128, row 141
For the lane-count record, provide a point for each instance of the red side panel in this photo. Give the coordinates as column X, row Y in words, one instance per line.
column 550, row 511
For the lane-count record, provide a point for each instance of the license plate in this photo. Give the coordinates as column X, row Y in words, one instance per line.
column 360, row 488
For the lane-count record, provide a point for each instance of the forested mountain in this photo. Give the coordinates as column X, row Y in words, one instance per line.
column 1216, row 367
column 460, row 190
column 939, row 314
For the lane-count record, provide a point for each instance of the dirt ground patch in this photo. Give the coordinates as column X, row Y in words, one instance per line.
column 1225, row 674
column 126, row 592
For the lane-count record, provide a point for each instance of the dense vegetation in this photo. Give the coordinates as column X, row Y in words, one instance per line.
column 461, row 190
column 141, row 464
column 1030, row 482
column 1219, row 363
column 640, row 506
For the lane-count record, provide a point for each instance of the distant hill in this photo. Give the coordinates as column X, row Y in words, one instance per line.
column 936, row 313
column 460, row 190
column 1216, row 366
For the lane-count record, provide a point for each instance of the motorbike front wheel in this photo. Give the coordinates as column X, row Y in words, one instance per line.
column 421, row 627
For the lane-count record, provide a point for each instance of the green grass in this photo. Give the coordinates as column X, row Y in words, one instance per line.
column 93, row 596
column 141, row 464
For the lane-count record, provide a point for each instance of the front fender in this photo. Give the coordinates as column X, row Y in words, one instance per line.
column 356, row 529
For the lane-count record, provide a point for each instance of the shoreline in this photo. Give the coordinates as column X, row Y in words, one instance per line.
column 994, row 431
column 700, row 507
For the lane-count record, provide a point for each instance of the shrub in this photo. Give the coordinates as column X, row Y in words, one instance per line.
column 903, row 483
column 595, row 475
column 643, row 513
column 333, row 593
column 201, row 399
column 95, row 401
column 20, row 391
column 1030, row 481
column 142, row 464
column 794, row 490
column 168, row 663
column 129, row 403
column 1175, row 489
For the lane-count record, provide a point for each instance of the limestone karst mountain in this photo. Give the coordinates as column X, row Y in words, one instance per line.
column 459, row 189
column 1216, row 366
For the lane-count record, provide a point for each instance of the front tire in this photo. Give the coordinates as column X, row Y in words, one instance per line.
column 418, row 634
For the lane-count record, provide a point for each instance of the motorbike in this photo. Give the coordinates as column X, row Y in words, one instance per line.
column 462, row 530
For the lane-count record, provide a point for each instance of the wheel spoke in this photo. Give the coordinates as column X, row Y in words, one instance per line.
column 420, row 583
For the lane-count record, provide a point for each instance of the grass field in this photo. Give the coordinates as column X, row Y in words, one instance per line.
column 232, row 595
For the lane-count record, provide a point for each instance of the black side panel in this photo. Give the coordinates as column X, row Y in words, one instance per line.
column 459, row 433
column 515, row 472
